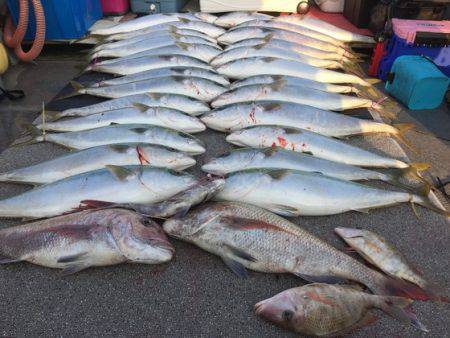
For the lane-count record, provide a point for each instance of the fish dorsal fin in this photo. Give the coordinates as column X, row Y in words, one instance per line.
column 268, row 38
column 270, row 151
column 268, row 59
column 154, row 96
column 184, row 20
column 270, row 106
column 139, row 130
column 242, row 223
column 121, row 173
column 277, row 77
column 182, row 45
column 119, row 148
column 278, row 174
column 277, row 85
column 166, row 57
column 176, row 35
column 260, row 46
column 141, row 107
column 292, row 131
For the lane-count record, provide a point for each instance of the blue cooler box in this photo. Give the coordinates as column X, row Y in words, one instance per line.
column 417, row 82
column 64, row 19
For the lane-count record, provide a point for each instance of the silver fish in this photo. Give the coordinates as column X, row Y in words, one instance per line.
column 143, row 63
column 280, row 91
column 235, row 18
column 150, row 37
column 246, row 236
column 326, row 28
column 181, row 102
column 86, row 239
column 304, row 141
column 244, row 33
column 200, row 26
column 277, row 158
column 152, row 20
column 130, row 184
column 198, row 51
column 380, row 253
column 292, row 115
column 271, row 41
column 294, row 81
column 147, row 44
column 177, row 205
column 324, row 310
column 95, row 158
column 125, row 133
column 295, row 193
column 194, row 87
column 139, row 114
column 292, row 28
column 243, row 68
column 164, row 72
column 263, row 51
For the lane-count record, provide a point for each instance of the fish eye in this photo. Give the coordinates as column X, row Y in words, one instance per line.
column 287, row 315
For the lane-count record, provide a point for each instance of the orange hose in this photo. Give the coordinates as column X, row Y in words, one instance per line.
column 39, row 38
column 15, row 39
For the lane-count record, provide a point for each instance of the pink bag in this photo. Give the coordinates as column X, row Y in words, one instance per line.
column 115, row 7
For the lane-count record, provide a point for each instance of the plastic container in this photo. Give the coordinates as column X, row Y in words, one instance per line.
column 65, row 19
column 358, row 11
column 115, row 7
column 157, row 6
column 417, row 82
column 417, row 37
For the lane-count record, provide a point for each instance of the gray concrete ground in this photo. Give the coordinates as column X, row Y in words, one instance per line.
column 196, row 295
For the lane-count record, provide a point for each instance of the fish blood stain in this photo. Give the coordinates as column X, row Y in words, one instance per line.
column 282, row 141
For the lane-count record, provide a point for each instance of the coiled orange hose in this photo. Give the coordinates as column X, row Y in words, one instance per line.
column 16, row 38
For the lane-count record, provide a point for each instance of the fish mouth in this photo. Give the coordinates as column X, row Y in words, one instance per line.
column 163, row 244
column 264, row 311
column 347, row 232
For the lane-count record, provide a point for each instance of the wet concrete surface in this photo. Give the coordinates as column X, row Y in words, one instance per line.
column 195, row 295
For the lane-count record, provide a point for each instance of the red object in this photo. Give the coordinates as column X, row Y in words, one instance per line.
column 378, row 54
column 14, row 40
column 336, row 19
column 115, row 7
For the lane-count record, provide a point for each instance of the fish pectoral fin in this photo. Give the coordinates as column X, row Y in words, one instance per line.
column 321, row 279
column 285, row 210
column 120, row 173
column 236, row 267
column 240, row 253
column 7, row 260
column 73, row 268
column 72, row 258
column 75, row 263
column 362, row 210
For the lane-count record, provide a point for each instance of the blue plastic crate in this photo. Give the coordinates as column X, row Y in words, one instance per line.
column 157, row 6
column 65, row 19
column 397, row 47
column 417, row 82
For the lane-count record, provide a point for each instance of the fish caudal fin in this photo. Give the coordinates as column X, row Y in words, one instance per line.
column 425, row 201
column 387, row 286
column 352, row 68
column 400, row 308
column 33, row 135
column 78, row 90
column 402, row 128
column 400, row 177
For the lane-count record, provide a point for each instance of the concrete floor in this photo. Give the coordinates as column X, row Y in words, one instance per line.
column 195, row 295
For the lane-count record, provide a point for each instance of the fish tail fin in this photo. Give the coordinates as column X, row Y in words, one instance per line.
column 386, row 107
column 352, row 68
column 78, row 90
column 402, row 128
column 95, row 37
column 33, row 134
column 424, row 200
column 398, row 176
column 400, row 309
column 383, row 285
